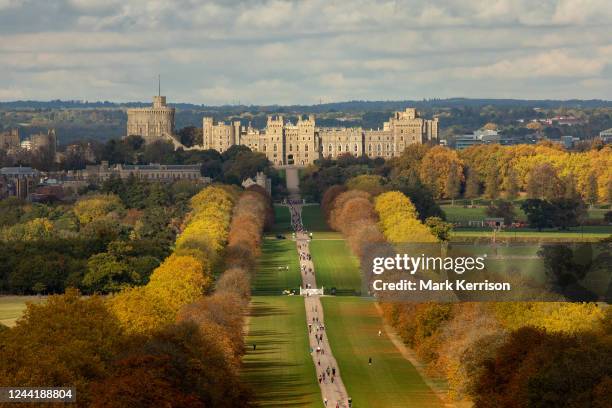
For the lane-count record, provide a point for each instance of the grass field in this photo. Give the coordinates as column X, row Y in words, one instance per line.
column 458, row 213
column 352, row 325
column 336, row 266
column 313, row 219
column 282, row 219
column 589, row 232
column 280, row 370
column 272, row 276
column 12, row 307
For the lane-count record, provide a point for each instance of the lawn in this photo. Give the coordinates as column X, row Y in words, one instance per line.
column 12, row 307
column 272, row 276
column 588, row 232
column 335, row 266
column 458, row 213
column 352, row 325
column 313, row 218
column 280, row 370
column 282, row 219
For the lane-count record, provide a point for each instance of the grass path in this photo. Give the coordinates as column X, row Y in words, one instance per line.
column 391, row 381
column 272, row 276
column 282, row 219
column 336, row 266
column 280, row 370
column 313, row 218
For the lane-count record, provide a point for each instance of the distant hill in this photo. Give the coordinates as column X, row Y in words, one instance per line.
column 347, row 106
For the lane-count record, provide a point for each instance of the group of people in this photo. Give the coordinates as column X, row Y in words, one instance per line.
column 296, row 219
column 315, row 327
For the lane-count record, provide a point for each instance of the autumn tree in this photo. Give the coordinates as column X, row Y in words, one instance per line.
column 369, row 183
column 66, row 341
column 472, row 184
column 94, row 207
column 543, row 182
column 398, row 219
column 438, row 164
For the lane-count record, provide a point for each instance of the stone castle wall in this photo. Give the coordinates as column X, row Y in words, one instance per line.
column 154, row 123
column 302, row 143
column 286, row 143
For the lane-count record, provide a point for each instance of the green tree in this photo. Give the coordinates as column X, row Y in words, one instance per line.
column 502, row 209
column 539, row 213
column 439, row 228
column 105, row 273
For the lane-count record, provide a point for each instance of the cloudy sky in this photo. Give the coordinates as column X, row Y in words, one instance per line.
column 278, row 51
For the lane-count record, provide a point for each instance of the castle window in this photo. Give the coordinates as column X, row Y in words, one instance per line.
column 330, row 148
column 275, row 148
column 355, row 148
column 370, row 147
column 290, row 148
column 306, row 149
column 339, row 148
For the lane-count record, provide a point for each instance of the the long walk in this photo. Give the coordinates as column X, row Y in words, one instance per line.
column 332, row 387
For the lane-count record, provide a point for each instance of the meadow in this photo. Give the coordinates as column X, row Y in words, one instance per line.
column 352, row 326
column 280, row 370
column 313, row 218
column 459, row 213
column 272, row 275
column 336, row 267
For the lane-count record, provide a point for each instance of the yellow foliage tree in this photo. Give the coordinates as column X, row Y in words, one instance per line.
column 91, row 208
column 398, row 219
column 439, row 166
column 367, row 182
column 552, row 316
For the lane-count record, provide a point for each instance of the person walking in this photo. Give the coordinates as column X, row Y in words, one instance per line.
column 254, row 346
column 325, row 401
column 370, row 361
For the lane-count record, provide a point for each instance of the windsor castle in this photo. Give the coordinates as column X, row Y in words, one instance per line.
column 286, row 143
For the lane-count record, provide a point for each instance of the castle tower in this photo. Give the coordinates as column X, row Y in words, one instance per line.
column 154, row 123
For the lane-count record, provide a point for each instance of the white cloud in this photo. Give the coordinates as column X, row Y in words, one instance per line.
column 281, row 51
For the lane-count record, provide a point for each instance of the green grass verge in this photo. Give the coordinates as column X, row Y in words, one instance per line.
column 352, row 325
column 458, row 213
column 313, row 218
column 272, row 276
column 280, row 370
column 282, row 220
column 12, row 307
column 588, row 232
column 336, row 266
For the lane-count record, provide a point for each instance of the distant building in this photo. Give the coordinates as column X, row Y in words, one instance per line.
column 606, row 135
column 152, row 172
column 563, row 120
column 41, row 140
column 481, row 136
column 285, row 143
column 569, row 141
column 260, row 180
column 9, row 140
column 18, row 181
column 154, row 123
